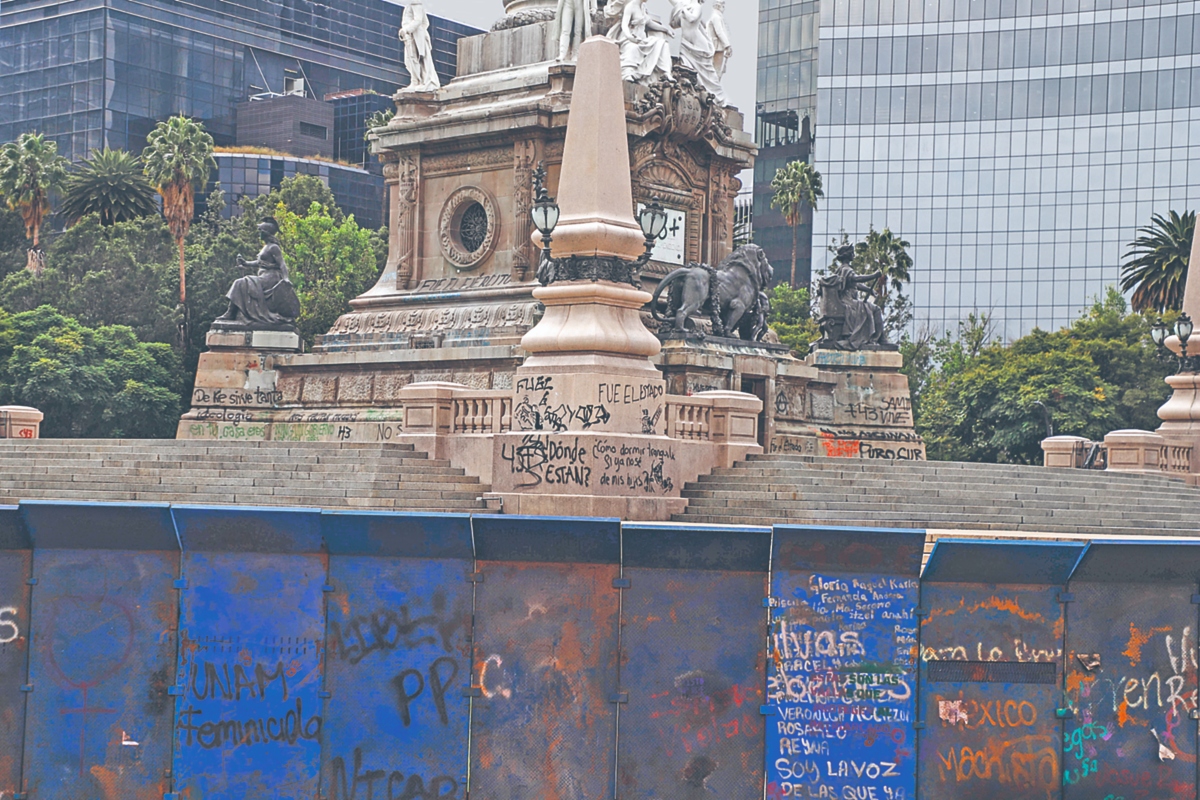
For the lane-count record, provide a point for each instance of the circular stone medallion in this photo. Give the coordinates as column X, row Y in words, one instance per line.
column 468, row 227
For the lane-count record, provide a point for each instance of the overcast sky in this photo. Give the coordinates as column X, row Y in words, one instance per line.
column 740, row 15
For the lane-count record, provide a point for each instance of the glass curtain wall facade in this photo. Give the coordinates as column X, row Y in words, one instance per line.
column 1018, row 144
column 94, row 73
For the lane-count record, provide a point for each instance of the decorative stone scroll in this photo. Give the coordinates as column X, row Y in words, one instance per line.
column 684, row 109
column 468, row 227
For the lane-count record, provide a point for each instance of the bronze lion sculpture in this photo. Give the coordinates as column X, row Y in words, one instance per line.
column 733, row 295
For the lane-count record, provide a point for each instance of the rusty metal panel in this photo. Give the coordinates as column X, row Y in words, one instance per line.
column 991, row 663
column 692, row 662
column 398, row 656
column 103, row 651
column 16, row 559
column 841, row 671
column 252, row 626
column 1131, row 673
column 545, row 658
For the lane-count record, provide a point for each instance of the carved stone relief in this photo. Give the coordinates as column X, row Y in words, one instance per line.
column 468, row 227
column 525, row 156
column 436, row 320
column 449, row 163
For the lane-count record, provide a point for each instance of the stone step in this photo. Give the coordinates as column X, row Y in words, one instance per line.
column 860, row 487
column 939, row 498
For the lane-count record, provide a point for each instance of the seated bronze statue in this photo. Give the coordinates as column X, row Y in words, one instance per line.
column 266, row 301
column 849, row 322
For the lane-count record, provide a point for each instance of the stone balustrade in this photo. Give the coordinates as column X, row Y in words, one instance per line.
column 20, row 422
column 1133, row 451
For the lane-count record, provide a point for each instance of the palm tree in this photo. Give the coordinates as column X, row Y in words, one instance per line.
column 888, row 253
column 30, row 170
column 178, row 158
column 797, row 184
column 111, row 184
column 1157, row 262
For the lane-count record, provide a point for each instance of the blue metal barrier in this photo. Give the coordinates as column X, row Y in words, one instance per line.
column 149, row 651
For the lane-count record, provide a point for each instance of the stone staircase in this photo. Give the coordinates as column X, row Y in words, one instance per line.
column 317, row 475
column 771, row 489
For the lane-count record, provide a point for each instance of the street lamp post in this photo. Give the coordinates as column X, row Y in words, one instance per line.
column 1183, row 331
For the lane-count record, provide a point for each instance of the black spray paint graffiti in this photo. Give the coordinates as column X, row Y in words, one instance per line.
column 649, row 423
column 541, row 459
column 528, row 416
column 228, row 684
column 410, row 683
column 385, row 630
column 391, row 785
column 288, row 728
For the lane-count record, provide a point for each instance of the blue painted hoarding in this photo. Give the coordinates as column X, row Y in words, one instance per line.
column 252, row 629
column 841, row 663
column 16, row 562
column 398, row 657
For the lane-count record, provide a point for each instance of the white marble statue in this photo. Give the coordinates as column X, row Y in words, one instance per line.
column 696, row 49
column 644, row 41
column 418, row 49
column 574, row 21
column 722, row 42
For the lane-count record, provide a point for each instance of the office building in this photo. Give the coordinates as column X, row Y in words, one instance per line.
column 102, row 73
column 1018, row 144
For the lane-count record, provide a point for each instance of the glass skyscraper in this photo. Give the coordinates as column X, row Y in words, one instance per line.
column 1018, row 144
column 95, row 73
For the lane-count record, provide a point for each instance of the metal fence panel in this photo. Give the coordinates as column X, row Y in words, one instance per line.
column 545, row 650
column 103, row 652
column 1131, row 673
column 841, row 666
column 15, row 564
column 398, row 656
column 991, row 663
column 692, row 664
column 252, row 627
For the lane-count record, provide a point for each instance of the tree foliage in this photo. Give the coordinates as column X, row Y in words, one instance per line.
column 110, row 184
column 89, row 382
column 330, row 262
column 978, row 401
column 31, row 170
column 797, row 184
column 791, row 318
column 178, row 158
column 1156, row 265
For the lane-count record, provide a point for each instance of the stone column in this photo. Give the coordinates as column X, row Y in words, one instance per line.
column 401, row 181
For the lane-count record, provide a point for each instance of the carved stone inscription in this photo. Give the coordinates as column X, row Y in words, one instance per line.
column 443, row 320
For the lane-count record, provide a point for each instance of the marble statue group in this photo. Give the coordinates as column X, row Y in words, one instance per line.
column 418, row 48
column 704, row 42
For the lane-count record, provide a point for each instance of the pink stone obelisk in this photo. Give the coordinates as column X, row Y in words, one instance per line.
column 1181, row 413
column 594, row 324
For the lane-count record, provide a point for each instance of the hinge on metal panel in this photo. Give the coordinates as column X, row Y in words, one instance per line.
column 1196, row 599
column 20, row 796
column 919, row 725
column 622, row 583
column 619, row 697
column 175, row 691
column 1064, row 713
column 473, row 691
column 171, row 796
column 179, row 584
column 31, row 582
column 328, row 588
column 324, row 695
column 921, row 612
column 475, row 577
column 27, row 687
column 766, row 602
column 767, row 711
column 1066, row 597
column 1194, row 713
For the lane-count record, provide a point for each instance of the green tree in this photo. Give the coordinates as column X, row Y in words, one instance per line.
column 178, row 158
column 30, row 171
column 797, row 185
column 1097, row 375
column 378, row 120
column 296, row 194
column 119, row 274
column 1156, row 265
column 791, row 318
column 110, row 184
column 12, row 242
column 329, row 262
column 89, row 382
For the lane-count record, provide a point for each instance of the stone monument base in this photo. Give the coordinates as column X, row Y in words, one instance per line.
column 858, row 406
